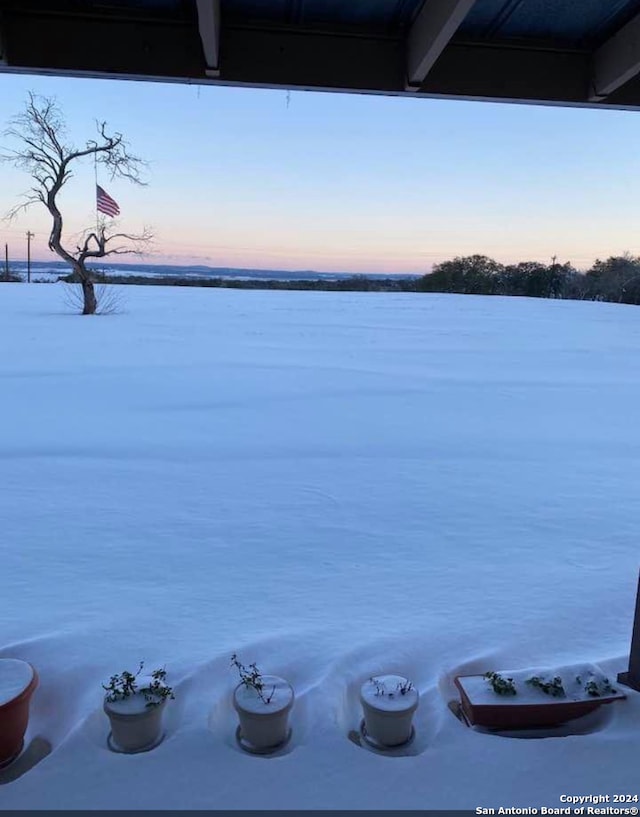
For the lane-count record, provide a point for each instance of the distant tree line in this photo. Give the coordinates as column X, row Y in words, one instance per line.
column 356, row 283
column 617, row 279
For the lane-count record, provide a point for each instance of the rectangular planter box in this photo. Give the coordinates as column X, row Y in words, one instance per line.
column 508, row 714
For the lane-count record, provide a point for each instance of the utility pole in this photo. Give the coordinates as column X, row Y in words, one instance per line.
column 6, row 262
column 30, row 235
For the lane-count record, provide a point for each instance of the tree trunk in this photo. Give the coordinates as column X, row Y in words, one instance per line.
column 89, row 300
column 90, row 303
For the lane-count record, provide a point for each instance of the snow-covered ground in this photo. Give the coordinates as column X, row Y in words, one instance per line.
column 331, row 485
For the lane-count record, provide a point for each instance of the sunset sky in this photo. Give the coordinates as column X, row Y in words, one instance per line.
column 343, row 182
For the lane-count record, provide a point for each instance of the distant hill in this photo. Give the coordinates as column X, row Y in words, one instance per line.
column 58, row 268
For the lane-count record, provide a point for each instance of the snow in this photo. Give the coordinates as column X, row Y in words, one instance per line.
column 133, row 705
column 15, row 677
column 479, row 691
column 136, row 703
column 276, row 691
column 391, row 699
column 334, row 486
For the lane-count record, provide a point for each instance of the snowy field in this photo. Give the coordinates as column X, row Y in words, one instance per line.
column 330, row 485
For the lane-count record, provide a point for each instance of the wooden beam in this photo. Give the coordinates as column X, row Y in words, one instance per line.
column 616, row 61
column 509, row 74
column 54, row 44
column 289, row 58
column 434, row 26
column 209, row 27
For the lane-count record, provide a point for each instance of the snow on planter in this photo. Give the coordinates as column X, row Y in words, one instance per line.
column 264, row 718
column 388, row 703
column 134, row 705
column 18, row 680
column 527, row 698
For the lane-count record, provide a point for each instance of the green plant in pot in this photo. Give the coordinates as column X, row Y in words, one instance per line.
column 134, row 704
column 263, row 704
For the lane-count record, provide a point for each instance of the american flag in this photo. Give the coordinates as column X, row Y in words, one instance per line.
column 105, row 203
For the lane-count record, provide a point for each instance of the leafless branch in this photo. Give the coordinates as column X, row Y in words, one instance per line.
column 96, row 243
column 38, row 144
column 109, row 298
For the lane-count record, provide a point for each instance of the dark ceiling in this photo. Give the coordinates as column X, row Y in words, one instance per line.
column 572, row 52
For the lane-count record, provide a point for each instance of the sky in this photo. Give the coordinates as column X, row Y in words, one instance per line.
column 263, row 179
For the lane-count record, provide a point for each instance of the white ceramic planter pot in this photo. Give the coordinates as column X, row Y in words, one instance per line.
column 264, row 726
column 135, row 727
column 388, row 714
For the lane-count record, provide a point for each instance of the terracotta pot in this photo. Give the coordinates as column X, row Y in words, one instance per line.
column 264, row 726
column 509, row 715
column 14, row 713
column 134, row 731
column 388, row 717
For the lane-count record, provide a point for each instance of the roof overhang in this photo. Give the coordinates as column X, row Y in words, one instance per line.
column 563, row 52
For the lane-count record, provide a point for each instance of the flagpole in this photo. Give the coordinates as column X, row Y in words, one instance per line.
column 95, row 171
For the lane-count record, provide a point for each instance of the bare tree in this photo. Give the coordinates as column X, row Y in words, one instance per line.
column 43, row 151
